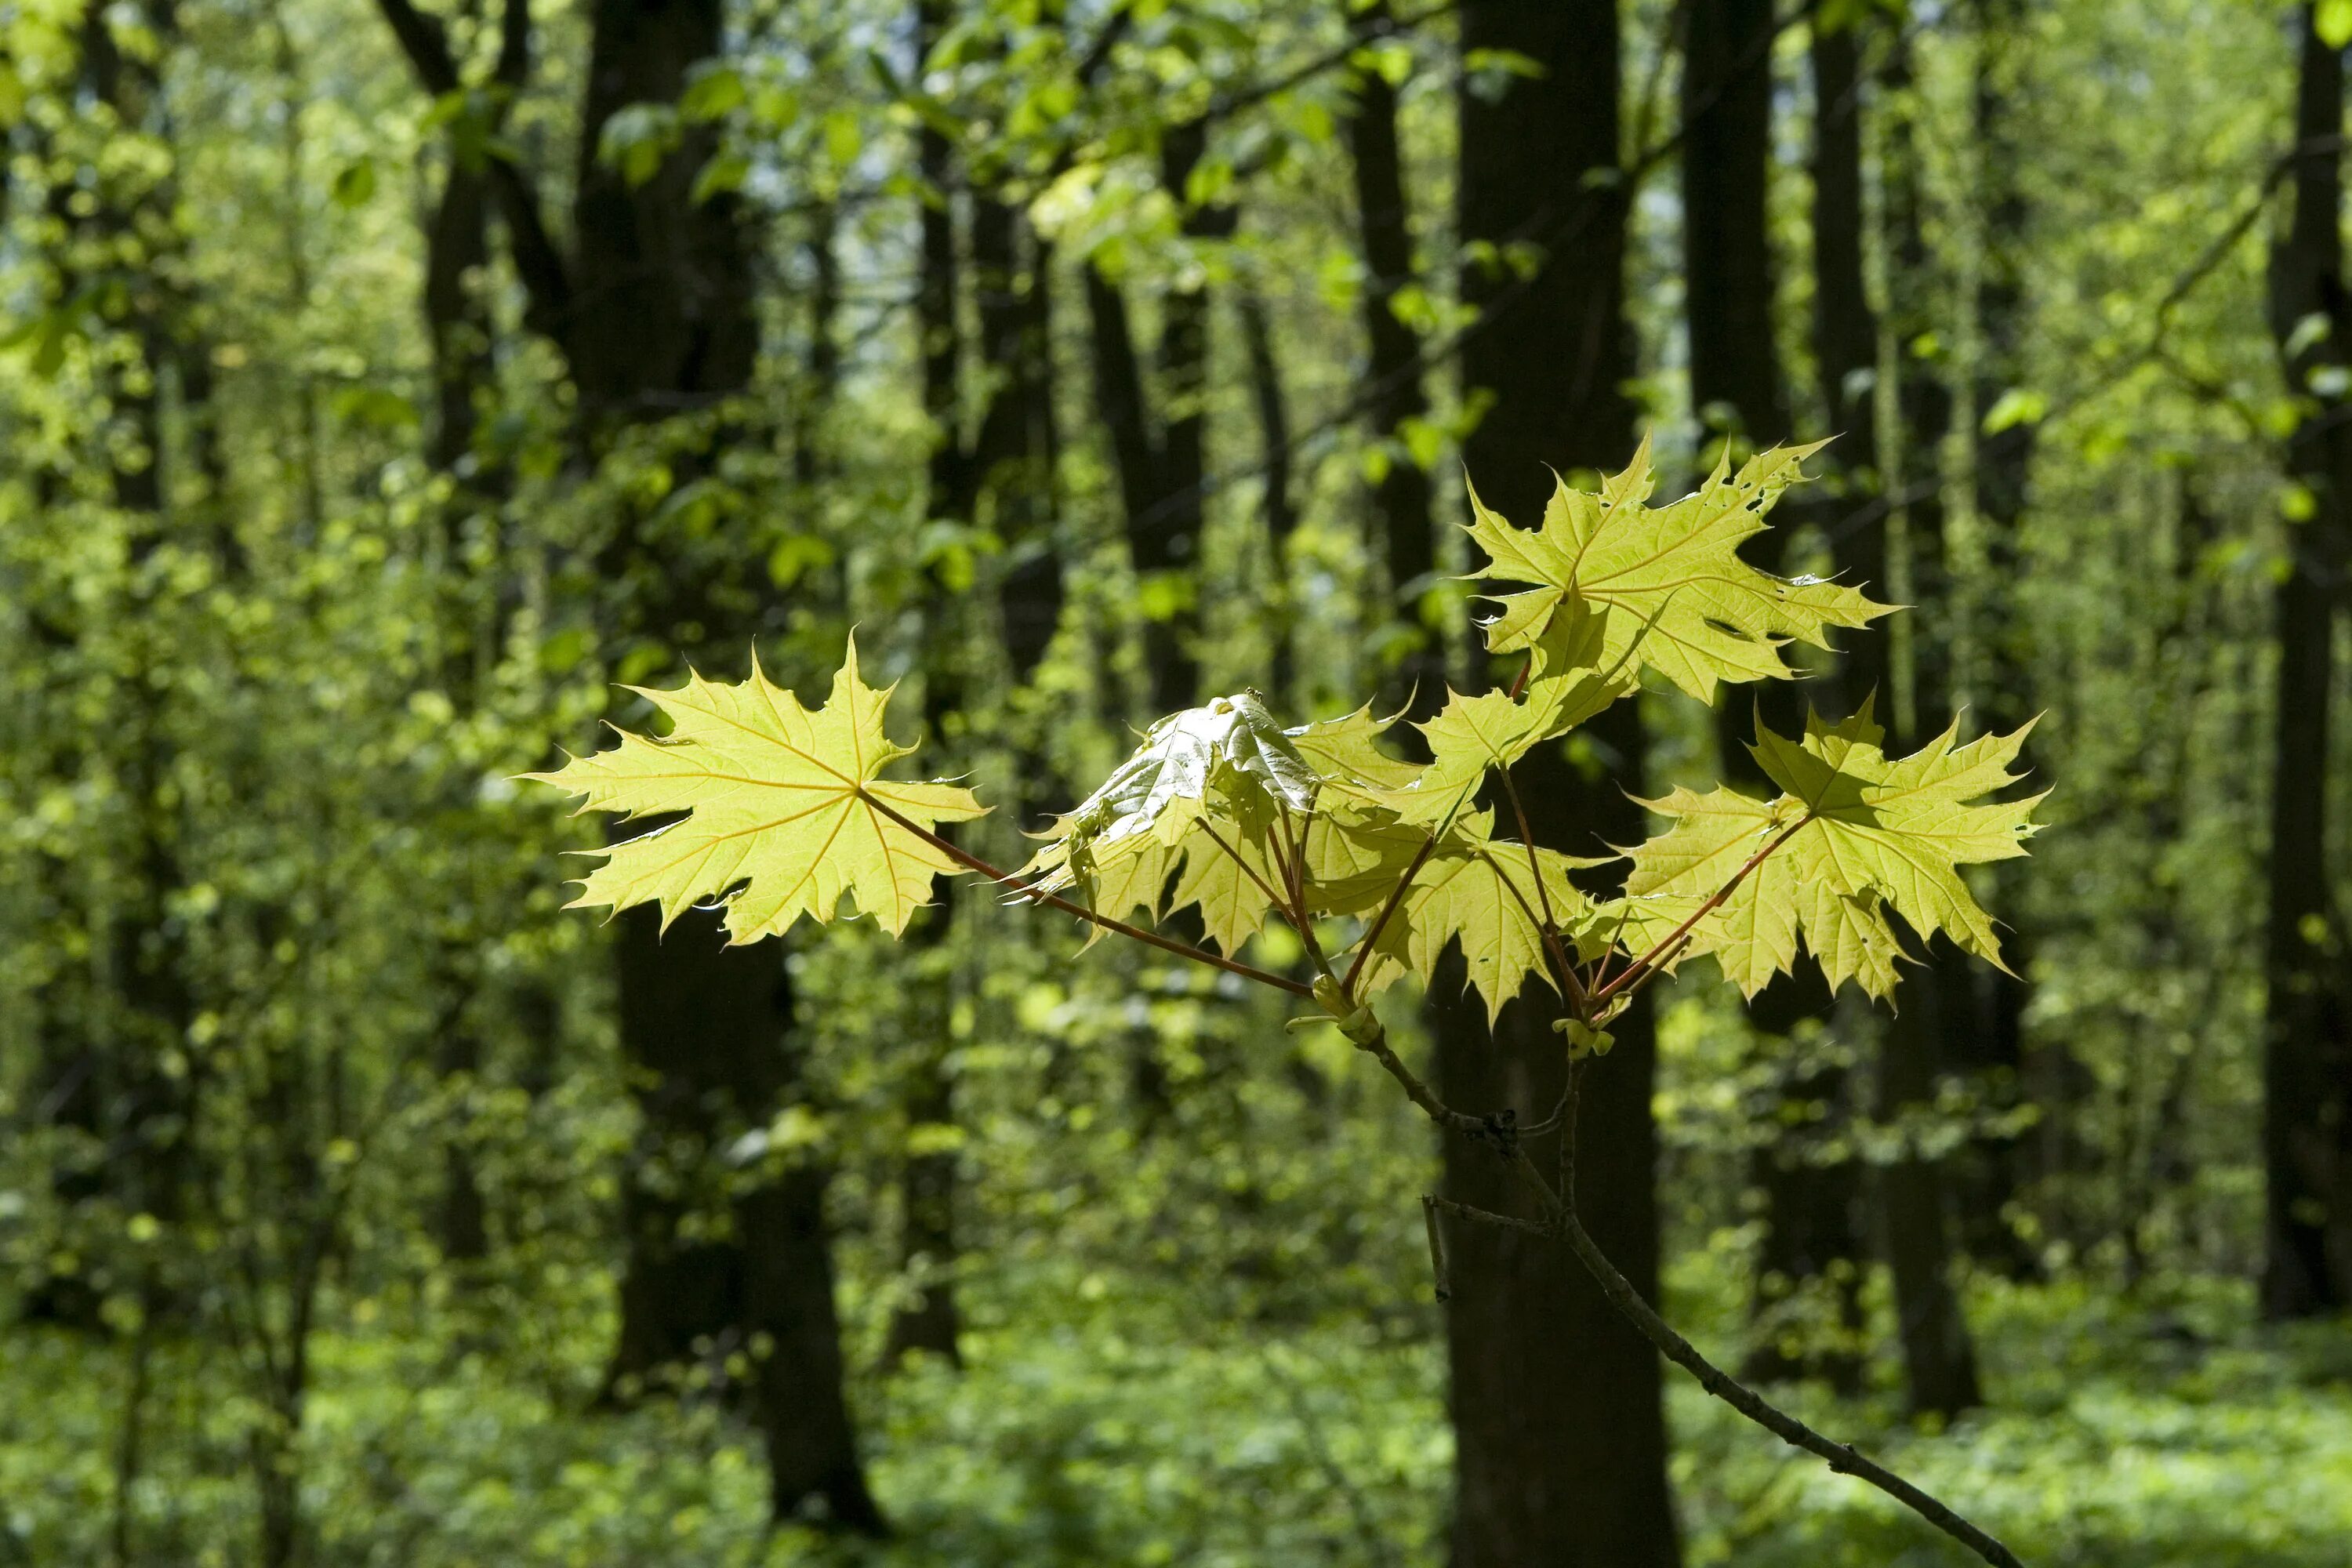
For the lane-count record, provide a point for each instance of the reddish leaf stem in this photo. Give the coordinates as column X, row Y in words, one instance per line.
column 1034, row 895
column 1647, row 964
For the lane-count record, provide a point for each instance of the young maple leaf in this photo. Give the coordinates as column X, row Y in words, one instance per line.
column 1204, row 793
column 1866, row 834
column 1691, row 608
column 786, row 805
column 1481, row 893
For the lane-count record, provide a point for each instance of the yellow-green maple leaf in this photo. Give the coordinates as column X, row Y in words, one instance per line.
column 1867, row 836
column 787, row 812
column 1690, row 608
column 1481, row 893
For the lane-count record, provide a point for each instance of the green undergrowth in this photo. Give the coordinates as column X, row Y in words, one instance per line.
column 1102, row 1421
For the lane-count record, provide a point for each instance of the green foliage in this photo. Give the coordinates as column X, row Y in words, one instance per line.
column 1857, row 836
column 1222, row 810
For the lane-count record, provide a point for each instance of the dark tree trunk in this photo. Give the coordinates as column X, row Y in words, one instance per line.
column 1561, row 1446
column 1988, row 1172
column 824, row 364
column 458, row 326
column 1736, row 384
column 1014, row 450
column 1727, row 104
column 710, row 1026
column 1939, row 1021
column 1161, row 459
column 2307, row 1055
column 655, row 310
column 927, row 1179
column 1123, row 404
column 1845, row 342
column 1400, row 500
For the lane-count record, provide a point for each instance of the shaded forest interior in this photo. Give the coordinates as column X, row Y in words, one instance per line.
column 394, row 388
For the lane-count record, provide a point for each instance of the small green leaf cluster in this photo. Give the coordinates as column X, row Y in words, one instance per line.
column 1380, row 864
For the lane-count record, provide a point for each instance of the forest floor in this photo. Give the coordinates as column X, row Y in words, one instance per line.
column 1113, row 1429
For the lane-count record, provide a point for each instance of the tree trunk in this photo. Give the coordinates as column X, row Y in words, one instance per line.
column 1738, row 387
column 661, row 320
column 1726, row 106
column 709, row 1026
column 1560, row 1448
column 1989, row 1168
column 2307, row 1056
column 1281, row 510
column 1161, row 459
column 926, row 1178
column 1939, row 1022
column 458, row 326
column 1400, row 500
column 1013, row 451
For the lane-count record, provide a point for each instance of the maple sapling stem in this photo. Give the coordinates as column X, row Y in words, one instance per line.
column 1635, row 1309
column 1149, row 938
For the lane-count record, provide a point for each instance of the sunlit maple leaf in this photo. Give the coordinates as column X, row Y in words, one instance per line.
column 1867, row 837
column 1690, row 608
column 787, row 811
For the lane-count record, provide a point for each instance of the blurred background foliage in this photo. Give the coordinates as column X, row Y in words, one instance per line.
column 385, row 390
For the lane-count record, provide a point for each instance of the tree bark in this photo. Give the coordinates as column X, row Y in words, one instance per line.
column 656, row 313
column 1160, row 459
column 1560, row 1447
column 1938, row 1021
column 1810, row 1210
column 2307, row 1055
column 1015, row 449
column 928, row 1321
column 1991, row 1167
column 1727, row 108
column 709, row 1026
column 1400, row 500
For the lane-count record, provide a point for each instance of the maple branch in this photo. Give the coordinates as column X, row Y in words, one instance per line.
column 1376, row 1046
column 1039, row 896
column 1648, row 964
column 1561, row 1223
column 1634, row 1308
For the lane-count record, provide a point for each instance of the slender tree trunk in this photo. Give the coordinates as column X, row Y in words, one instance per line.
column 2307, row 1055
column 1013, row 452
column 1281, row 510
column 1559, row 1436
column 926, row 1178
column 1727, row 92
column 458, row 327
column 1939, row 1020
column 1990, row 1169
column 1400, row 500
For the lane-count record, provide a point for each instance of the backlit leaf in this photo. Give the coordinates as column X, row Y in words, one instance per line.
column 1689, row 606
column 787, row 808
